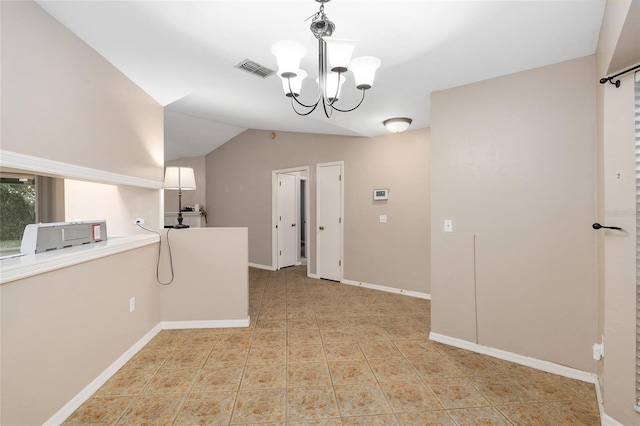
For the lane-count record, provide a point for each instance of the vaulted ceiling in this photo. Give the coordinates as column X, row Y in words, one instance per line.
column 183, row 54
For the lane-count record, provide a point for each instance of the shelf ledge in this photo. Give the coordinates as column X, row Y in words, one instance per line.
column 18, row 267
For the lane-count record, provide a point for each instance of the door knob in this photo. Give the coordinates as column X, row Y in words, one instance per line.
column 322, row 228
column 293, row 224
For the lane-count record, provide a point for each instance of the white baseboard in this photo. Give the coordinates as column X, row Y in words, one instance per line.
column 176, row 325
column 549, row 367
column 259, row 266
column 600, row 400
column 314, row 276
column 417, row 294
column 71, row 406
column 605, row 420
column 609, row 421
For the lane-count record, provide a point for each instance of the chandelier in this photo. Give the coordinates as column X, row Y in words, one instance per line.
column 334, row 60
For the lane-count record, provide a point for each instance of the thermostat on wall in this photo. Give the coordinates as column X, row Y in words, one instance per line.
column 380, row 194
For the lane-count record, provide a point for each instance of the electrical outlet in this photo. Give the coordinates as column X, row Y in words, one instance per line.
column 139, row 221
column 132, row 304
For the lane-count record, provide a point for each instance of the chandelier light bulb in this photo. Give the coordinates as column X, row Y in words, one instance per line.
column 364, row 71
column 293, row 83
column 332, row 84
column 339, row 53
column 288, row 53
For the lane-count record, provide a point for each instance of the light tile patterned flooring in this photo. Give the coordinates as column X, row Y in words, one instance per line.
column 323, row 353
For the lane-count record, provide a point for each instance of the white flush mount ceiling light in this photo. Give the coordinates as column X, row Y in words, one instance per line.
column 397, row 125
column 334, row 60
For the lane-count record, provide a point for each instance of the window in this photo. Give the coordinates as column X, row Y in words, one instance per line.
column 25, row 199
column 17, row 209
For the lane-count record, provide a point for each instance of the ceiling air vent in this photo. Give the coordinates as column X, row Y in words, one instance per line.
column 255, row 68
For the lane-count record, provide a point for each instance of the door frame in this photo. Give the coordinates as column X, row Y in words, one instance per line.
column 274, row 212
column 342, row 180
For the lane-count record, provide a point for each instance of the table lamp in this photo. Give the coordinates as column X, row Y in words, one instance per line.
column 180, row 179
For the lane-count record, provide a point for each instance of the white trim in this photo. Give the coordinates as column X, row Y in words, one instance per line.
column 600, row 400
column 547, row 366
column 16, row 268
column 609, row 421
column 310, row 275
column 180, row 325
column 411, row 293
column 259, row 266
column 274, row 222
column 68, row 409
column 30, row 163
column 71, row 406
column 274, row 209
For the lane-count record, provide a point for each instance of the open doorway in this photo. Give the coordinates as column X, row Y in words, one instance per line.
column 290, row 211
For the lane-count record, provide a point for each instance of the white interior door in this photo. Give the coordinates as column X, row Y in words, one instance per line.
column 329, row 221
column 287, row 221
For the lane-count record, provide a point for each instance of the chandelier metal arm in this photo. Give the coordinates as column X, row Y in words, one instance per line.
column 334, row 98
column 294, row 97
column 351, row 109
column 293, row 105
column 327, row 112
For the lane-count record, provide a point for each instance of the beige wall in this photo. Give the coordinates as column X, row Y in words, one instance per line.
column 62, row 101
column 211, row 275
column 618, row 48
column 514, row 166
column 189, row 198
column 395, row 254
column 62, row 329
column 119, row 205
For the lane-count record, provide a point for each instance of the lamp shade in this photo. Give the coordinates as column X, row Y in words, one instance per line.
column 295, row 82
column 397, row 125
column 180, row 178
column 364, row 70
column 334, row 85
column 288, row 54
column 339, row 53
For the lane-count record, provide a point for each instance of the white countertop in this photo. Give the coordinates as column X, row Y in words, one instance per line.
column 18, row 267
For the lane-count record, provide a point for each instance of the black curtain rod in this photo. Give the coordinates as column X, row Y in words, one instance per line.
column 617, row 82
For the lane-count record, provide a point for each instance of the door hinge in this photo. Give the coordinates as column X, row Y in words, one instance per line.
column 280, row 252
column 339, row 220
column 340, row 177
column 339, row 262
column 280, row 183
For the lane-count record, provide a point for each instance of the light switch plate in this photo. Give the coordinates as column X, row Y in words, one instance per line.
column 448, row 225
column 383, row 218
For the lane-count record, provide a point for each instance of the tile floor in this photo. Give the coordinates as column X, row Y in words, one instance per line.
column 323, row 353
